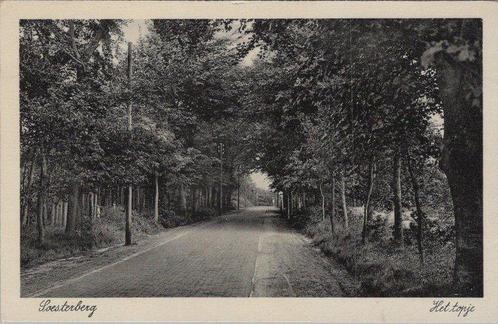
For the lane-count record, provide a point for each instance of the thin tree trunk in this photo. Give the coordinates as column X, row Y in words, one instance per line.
column 396, row 186
column 220, row 211
column 332, row 213
column 73, row 209
column 27, row 192
column 128, row 214
column 64, row 214
column 238, row 193
column 210, row 196
column 206, row 196
column 57, row 213
column 52, row 215
column 366, row 211
column 194, row 199
column 199, row 199
column 96, row 204
column 289, row 197
column 420, row 214
column 143, row 199
column 156, row 198
column 90, row 205
column 24, row 173
column 291, row 202
column 323, row 201
column 135, row 203
column 41, row 198
column 343, row 199
column 183, row 201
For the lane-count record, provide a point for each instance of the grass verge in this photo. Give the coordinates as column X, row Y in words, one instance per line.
column 383, row 268
column 108, row 230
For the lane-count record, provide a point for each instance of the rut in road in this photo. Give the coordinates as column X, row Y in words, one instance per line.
column 251, row 253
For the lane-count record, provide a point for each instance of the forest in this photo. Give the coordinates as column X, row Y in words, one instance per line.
column 370, row 132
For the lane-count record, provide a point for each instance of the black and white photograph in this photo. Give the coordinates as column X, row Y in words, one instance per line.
column 217, row 161
column 251, row 158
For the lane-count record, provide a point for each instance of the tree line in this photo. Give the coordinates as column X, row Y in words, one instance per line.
column 338, row 113
column 151, row 128
column 368, row 113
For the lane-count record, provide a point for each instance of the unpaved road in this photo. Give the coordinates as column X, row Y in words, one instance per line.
column 248, row 254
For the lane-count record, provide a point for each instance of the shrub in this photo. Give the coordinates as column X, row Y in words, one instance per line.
column 381, row 267
column 306, row 216
column 204, row 213
column 168, row 219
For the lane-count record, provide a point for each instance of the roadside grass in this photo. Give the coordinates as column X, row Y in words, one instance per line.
column 382, row 268
column 107, row 230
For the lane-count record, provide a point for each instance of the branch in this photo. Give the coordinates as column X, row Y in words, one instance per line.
column 73, row 41
column 94, row 43
column 75, row 59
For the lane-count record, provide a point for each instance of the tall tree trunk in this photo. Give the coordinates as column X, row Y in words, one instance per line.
column 220, row 205
column 194, row 199
column 128, row 215
column 41, row 198
column 64, row 214
column 52, row 214
column 238, row 193
column 323, row 200
column 27, row 192
column 72, row 213
column 183, row 201
column 289, row 197
column 343, row 199
column 90, row 205
column 206, row 193
column 396, row 187
column 129, row 207
column 284, row 203
column 366, row 211
column 156, row 198
column 461, row 161
column 210, row 196
column 332, row 213
column 198, row 199
column 24, row 172
column 143, row 200
column 291, row 204
column 419, row 212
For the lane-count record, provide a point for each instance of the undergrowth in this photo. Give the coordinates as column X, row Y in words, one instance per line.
column 108, row 230
column 382, row 268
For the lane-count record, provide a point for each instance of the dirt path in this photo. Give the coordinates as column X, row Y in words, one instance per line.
column 252, row 253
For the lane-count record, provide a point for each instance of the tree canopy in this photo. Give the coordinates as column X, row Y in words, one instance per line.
column 344, row 106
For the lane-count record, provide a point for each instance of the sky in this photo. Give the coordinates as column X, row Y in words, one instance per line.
column 260, row 180
column 134, row 30
column 138, row 28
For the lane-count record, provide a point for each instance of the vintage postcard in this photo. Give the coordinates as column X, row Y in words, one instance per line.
column 248, row 161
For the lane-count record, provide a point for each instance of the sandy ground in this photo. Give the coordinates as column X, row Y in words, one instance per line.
column 248, row 254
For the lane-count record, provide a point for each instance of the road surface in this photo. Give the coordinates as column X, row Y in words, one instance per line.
column 248, row 254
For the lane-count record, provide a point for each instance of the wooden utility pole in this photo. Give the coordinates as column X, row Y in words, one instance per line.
column 130, row 187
